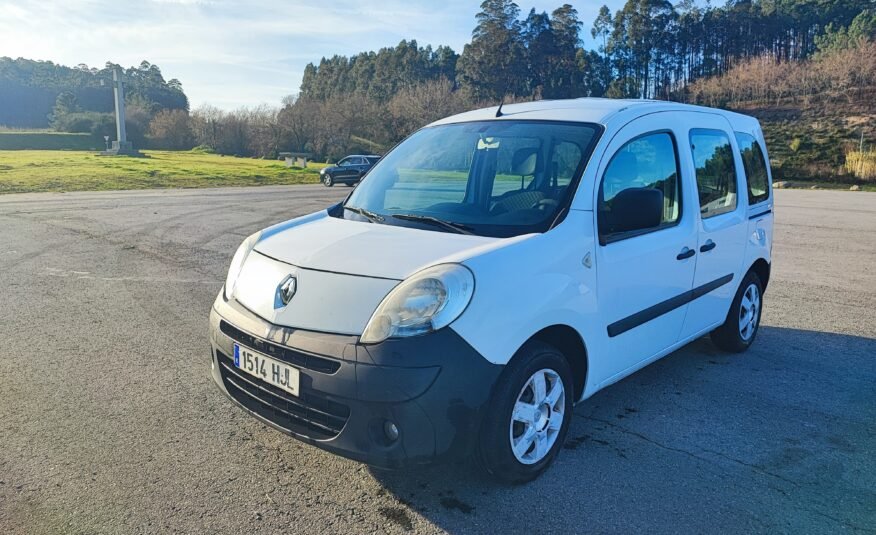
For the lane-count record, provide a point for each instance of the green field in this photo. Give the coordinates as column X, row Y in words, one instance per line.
column 41, row 170
column 45, row 140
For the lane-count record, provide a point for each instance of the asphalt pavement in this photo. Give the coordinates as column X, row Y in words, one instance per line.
column 109, row 422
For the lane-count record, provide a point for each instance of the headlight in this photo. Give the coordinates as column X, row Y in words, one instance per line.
column 425, row 302
column 322, row 171
column 237, row 262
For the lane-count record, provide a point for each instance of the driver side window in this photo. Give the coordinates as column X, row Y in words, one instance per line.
column 640, row 190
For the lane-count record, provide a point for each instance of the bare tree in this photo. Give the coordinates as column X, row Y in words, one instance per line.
column 171, row 129
column 414, row 107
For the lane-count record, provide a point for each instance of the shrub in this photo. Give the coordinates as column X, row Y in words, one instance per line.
column 104, row 125
column 862, row 164
column 171, row 129
column 81, row 121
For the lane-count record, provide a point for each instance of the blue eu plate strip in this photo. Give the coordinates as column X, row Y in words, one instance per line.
column 237, row 355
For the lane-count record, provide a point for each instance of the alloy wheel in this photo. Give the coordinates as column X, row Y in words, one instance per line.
column 749, row 312
column 537, row 416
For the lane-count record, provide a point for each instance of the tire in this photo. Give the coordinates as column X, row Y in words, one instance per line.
column 328, row 181
column 350, row 184
column 742, row 323
column 503, row 424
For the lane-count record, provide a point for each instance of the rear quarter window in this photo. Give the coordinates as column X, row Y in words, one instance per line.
column 715, row 171
column 755, row 166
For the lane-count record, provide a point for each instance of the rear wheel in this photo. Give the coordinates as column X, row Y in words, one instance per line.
column 529, row 415
column 328, row 181
column 743, row 320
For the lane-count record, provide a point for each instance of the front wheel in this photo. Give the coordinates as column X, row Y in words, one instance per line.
column 739, row 329
column 328, row 181
column 529, row 415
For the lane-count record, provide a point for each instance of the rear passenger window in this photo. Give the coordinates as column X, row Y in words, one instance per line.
column 754, row 163
column 645, row 169
column 715, row 170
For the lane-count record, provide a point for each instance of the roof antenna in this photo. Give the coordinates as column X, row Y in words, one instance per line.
column 499, row 111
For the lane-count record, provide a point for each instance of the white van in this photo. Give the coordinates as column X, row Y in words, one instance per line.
column 491, row 271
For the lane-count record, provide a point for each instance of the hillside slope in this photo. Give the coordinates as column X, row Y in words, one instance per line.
column 809, row 140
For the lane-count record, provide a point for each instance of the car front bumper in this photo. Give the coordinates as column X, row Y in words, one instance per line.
column 434, row 388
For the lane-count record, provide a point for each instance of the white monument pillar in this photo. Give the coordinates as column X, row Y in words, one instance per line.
column 119, row 93
column 121, row 145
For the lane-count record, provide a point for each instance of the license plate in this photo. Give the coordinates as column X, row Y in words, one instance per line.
column 267, row 369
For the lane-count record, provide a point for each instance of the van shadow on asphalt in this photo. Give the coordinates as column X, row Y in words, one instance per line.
column 781, row 436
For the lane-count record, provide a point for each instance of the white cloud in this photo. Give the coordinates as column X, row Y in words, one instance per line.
column 232, row 53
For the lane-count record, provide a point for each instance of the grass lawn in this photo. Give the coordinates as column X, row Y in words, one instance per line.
column 24, row 171
column 45, row 170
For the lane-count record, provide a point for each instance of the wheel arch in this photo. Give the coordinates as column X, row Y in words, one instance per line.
column 762, row 269
column 569, row 342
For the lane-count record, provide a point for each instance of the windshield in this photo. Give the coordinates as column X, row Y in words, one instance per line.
column 490, row 178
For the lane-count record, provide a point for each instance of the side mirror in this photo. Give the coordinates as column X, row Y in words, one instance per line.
column 634, row 209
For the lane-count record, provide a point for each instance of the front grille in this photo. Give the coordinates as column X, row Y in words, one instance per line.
column 309, row 414
column 297, row 358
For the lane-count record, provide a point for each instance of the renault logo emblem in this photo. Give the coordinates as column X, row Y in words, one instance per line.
column 287, row 289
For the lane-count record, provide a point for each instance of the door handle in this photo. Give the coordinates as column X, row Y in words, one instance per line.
column 685, row 254
column 708, row 246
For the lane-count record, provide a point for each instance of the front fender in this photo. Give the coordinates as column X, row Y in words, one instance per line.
column 529, row 285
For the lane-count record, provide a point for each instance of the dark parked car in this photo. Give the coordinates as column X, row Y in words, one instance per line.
column 348, row 171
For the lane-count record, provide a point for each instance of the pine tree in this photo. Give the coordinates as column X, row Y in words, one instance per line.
column 493, row 64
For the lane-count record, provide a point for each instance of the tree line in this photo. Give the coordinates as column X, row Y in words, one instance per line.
column 367, row 102
column 40, row 94
column 647, row 49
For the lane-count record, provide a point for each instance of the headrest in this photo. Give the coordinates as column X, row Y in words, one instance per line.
column 635, row 209
column 524, row 162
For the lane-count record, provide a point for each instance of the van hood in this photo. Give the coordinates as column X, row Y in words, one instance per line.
column 324, row 243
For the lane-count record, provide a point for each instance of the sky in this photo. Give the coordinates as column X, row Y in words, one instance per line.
column 238, row 53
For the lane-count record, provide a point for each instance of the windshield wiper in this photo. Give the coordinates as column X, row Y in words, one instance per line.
column 374, row 217
column 449, row 225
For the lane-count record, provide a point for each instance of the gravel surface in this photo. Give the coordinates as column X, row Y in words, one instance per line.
column 109, row 422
